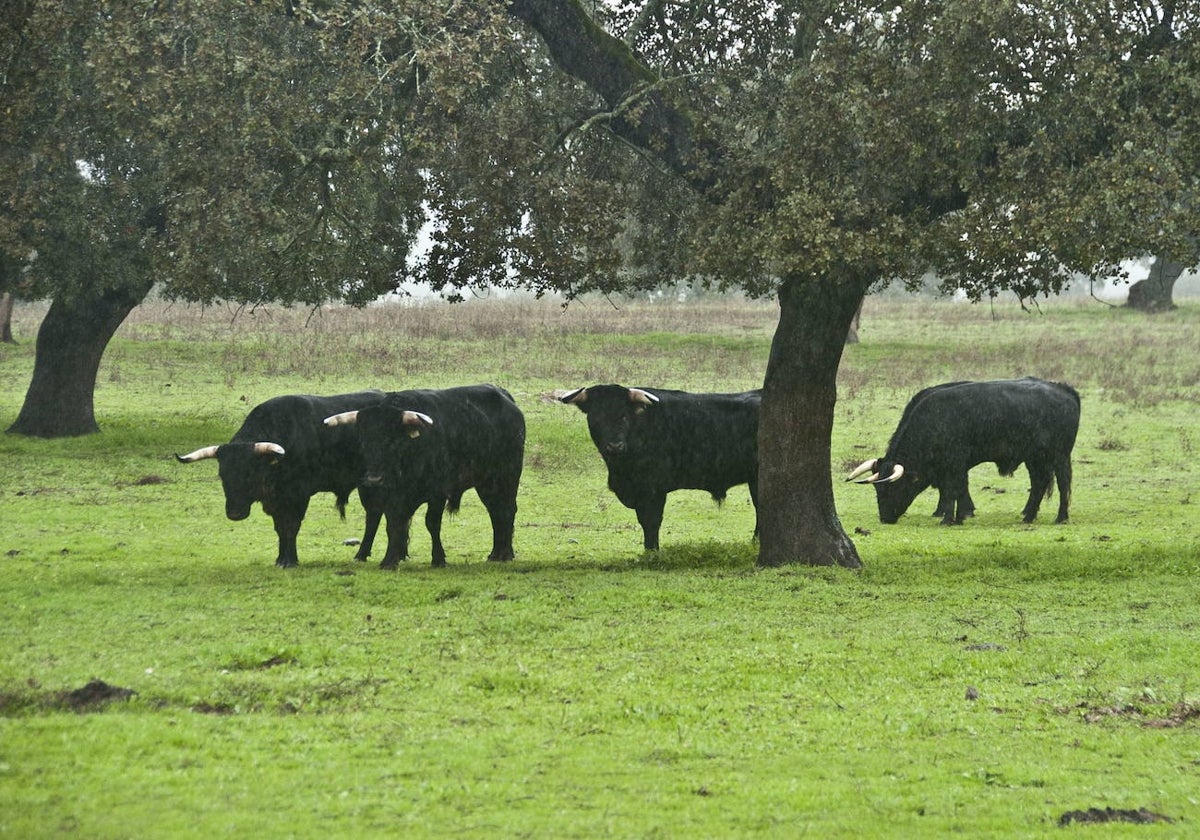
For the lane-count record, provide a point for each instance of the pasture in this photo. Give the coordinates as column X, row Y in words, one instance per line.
column 991, row 680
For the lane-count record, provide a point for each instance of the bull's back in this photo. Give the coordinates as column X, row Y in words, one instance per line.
column 1008, row 422
column 702, row 442
column 317, row 457
column 478, row 426
column 293, row 418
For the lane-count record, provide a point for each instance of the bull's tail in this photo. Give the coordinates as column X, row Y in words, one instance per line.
column 453, row 502
column 342, row 498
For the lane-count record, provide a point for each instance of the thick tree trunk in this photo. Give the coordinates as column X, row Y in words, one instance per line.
column 70, row 343
column 1154, row 294
column 798, row 522
column 6, row 310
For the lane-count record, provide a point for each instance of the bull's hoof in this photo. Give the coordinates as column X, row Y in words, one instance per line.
column 286, row 564
column 389, row 564
column 438, row 564
column 501, row 558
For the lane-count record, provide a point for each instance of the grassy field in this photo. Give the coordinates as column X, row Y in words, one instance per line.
column 991, row 680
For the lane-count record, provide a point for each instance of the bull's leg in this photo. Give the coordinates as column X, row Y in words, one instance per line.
column 650, row 516
column 287, row 526
column 945, row 505
column 953, row 490
column 433, row 524
column 502, row 510
column 966, row 505
column 1040, row 479
column 1063, row 471
column 373, row 507
column 397, row 534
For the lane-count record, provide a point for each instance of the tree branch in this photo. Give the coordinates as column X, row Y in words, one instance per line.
column 584, row 50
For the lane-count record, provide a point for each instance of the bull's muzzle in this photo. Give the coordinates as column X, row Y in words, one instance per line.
column 237, row 514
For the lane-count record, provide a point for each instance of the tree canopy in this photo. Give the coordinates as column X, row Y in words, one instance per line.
column 290, row 152
column 1004, row 144
column 243, row 151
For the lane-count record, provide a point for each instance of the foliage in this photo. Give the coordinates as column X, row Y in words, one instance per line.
column 227, row 149
column 1003, row 144
column 982, row 680
column 291, row 152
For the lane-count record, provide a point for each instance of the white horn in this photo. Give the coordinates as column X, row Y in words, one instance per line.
column 265, row 448
column 895, row 476
column 637, row 395
column 415, row 418
column 864, row 467
column 198, row 455
column 346, row 418
column 579, row 395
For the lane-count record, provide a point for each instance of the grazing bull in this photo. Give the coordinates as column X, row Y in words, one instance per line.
column 654, row 441
column 954, row 427
column 428, row 447
column 283, row 455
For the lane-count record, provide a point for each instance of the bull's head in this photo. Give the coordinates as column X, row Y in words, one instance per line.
column 243, row 468
column 385, row 435
column 614, row 413
column 894, row 489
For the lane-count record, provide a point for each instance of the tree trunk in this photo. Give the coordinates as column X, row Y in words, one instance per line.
column 852, row 333
column 70, row 342
column 1154, row 294
column 6, row 310
column 798, row 522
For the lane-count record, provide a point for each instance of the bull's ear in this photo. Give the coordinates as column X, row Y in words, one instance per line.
column 577, row 398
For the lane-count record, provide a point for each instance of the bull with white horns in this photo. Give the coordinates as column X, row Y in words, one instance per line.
column 284, row 454
column 655, row 441
column 428, row 447
column 948, row 429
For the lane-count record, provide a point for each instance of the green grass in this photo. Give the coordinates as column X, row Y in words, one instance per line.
column 981, row 680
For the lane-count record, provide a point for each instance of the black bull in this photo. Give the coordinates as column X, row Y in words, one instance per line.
column 428, row 447
column 956, row 426
column 654, row 441
column 284, row 454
